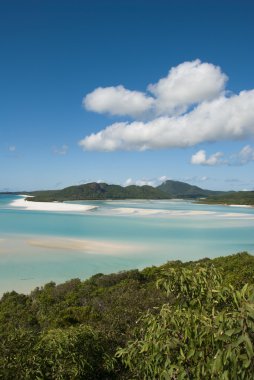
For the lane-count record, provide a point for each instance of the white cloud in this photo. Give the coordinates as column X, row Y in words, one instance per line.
column 117, row 101
column 246, row 155
column 163, row 178
column 128, row 182
column 188, row 107
column 243, row 157
column 144, row 181
column 140, row 182
column 200, row 158
column 220, row 119
column 12, row 148
column 62, row 150
column 187, row 84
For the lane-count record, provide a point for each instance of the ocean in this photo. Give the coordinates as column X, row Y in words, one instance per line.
column 38, row 246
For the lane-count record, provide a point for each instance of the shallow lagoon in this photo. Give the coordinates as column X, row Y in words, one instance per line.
column 38, row 246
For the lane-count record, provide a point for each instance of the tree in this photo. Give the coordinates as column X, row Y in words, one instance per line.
column 208, row 333
column 72, row 353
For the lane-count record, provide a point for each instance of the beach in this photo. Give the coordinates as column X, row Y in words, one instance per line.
column 49, row 206
column 24, row 204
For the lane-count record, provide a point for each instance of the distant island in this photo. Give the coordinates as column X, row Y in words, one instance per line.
column 102, row 191
column 232, row 198
column 98, row 191
column 169, row 189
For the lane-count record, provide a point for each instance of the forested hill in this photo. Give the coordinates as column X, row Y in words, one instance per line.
column 98, row 191
column 234, row 198
column 177, row 189
column 192, row 325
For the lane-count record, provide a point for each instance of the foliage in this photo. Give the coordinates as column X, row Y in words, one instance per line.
column 177, row 189
column 207, row 334
column 93, row 191
column 17, row 354
column 73, row 353
column 236, row 198
column 72, row 330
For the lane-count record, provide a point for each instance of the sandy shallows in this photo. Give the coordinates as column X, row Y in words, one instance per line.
column 85, row 245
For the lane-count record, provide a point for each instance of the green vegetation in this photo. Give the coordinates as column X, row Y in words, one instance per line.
column 236, row 198
column 94, row 191
column 177, row 189
column 195, row 321
column 99, row 191
column 206, row 334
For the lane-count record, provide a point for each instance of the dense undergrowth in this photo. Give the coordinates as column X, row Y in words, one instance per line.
column 190, row 320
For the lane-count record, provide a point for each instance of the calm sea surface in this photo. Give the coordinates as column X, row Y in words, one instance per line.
column 38, row 246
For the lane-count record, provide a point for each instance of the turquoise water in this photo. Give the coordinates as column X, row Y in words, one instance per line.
column 37, row 246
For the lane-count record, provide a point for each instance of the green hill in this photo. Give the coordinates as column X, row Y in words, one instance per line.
column 177, row 189
column 198, row 312
column 236, row 198
column 94, row 191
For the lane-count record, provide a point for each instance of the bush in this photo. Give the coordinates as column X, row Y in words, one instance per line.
column 207, row 334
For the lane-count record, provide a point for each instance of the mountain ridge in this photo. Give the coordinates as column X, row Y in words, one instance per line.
column 99, row 191
column 102, row 191
column 178, row 189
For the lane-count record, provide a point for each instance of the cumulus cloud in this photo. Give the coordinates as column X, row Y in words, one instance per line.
column 187, row 84
column 188, row 107
column 117, row 101
column 244, row 156
column 145, row 181
column 163, row 178
column 140, row 182
column 128, row 182
column 220, row 119
column 200, row 158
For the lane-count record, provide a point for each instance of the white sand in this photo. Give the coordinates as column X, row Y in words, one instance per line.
column 88, row 246
column 49, row 206
column 234, row 215
column 153, row 212
column 248, row 206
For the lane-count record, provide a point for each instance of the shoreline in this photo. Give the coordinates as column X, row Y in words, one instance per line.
column 224, row 204
column 22, row 203
column 245, row 206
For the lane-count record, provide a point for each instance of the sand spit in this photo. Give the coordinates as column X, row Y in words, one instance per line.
column 246, row 206
column 159, row 212
column 87, row 246
column 49, row 206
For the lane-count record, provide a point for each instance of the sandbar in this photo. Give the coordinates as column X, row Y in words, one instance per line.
column 49, row 206
column 246, row 206
column 158, row 212
column 86, row 245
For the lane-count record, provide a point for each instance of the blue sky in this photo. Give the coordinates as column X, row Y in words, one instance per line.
column 62, row 63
